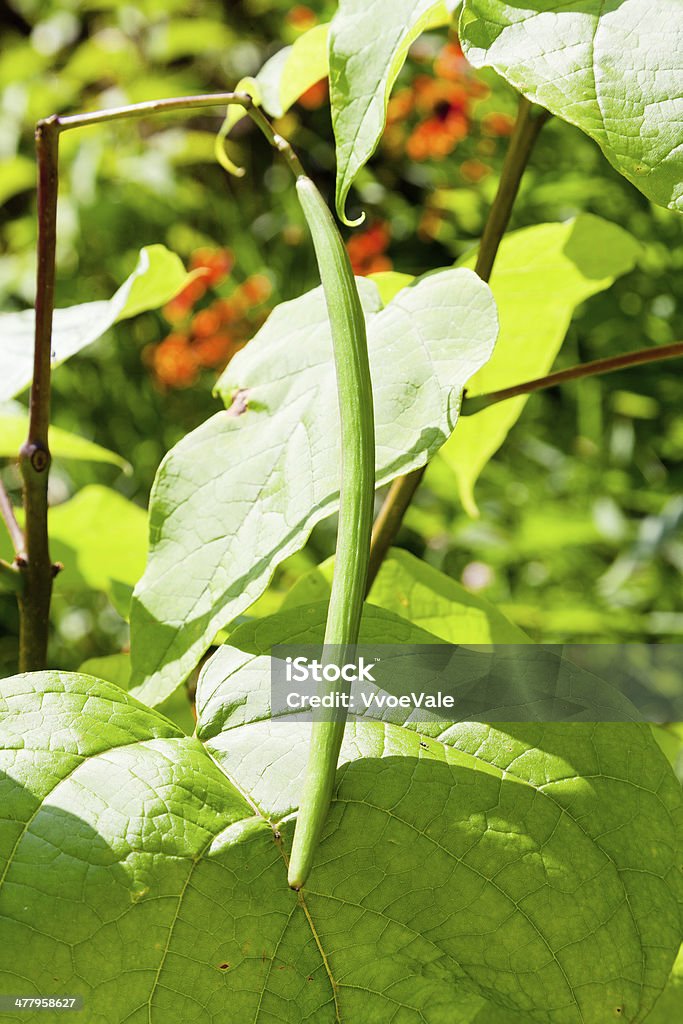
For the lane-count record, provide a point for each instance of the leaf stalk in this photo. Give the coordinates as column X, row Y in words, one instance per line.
column 530, row 120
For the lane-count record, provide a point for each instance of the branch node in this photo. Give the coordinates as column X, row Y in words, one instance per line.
column 37, row 455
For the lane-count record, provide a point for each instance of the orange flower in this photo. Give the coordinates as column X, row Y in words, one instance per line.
column 366, row 250
column 433, row 96
column 497, row 124
column 301, row 18
column 179, row 307
column 214, row 351
column 315, row 96
column 437, row 136
column 450, row 63
column 174, row 363
column 206, row 322
column 217, row 262
column 226, row 310
column 400, row 106
column 256, row 289
column 474, row 170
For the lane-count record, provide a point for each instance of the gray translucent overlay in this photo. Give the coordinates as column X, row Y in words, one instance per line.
column 480, row 683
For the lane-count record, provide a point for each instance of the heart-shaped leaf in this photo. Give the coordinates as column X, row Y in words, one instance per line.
column 242, row 492
column 611, row 68
column 528, row 868
column 368, row 47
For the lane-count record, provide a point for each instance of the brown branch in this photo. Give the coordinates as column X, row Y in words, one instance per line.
column 473, row 405
column 529, row 122
column 36, row 566
column 527, row 126
column 16, row 534
column 34, row 458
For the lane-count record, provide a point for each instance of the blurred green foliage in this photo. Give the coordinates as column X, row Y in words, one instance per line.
column 579, row 534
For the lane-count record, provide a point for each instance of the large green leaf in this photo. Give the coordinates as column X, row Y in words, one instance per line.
column 115, row 668
column 670, row 1006
column 407, row 586
column 238, row 495
column 158, row 276
column 532, row 868
column 611, row 67
column 63, row 444
column 368, row 46
column 540, row 276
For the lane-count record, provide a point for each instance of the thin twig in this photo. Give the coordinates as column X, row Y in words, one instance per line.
column 277, row 141
column 529, row 122
column 164, row 106
column 473, row 405
column 15, row 532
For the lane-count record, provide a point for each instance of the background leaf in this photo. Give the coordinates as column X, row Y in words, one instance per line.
column 63, row 444
column 540, row 276
column 158, row 276
column 612, row 69
column 242, row 492
column 78, row 528
column 414, row 590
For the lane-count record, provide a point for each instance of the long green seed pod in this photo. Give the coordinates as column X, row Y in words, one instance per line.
column 355, row 508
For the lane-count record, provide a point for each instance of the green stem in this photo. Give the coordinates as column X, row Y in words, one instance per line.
column 356, row 501
column 530, row 120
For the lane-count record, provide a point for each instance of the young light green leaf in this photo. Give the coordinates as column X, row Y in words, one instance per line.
column 77, row 528
column 278, row 85
column 17, row 174
column 243, row 491
column 158, row 276
column 368, row 46
column 293, row 70
column 612, row 69
column 548, row 269
column 63, row 444
column 143, row 867
column 234, row 114
column 390, row 282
